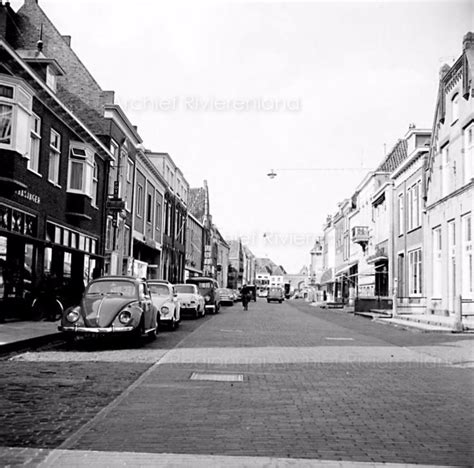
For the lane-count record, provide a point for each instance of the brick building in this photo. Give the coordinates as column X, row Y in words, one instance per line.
column 54, row 177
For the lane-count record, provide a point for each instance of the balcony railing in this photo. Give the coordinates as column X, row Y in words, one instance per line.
column 360, row 234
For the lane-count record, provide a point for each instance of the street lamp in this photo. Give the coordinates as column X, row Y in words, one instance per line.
column 272, row 174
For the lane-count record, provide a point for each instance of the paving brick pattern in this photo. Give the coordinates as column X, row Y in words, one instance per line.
column 44, row 403
column 361, row 413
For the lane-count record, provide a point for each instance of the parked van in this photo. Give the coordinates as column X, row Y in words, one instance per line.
column 275, row 293
column 208, row 288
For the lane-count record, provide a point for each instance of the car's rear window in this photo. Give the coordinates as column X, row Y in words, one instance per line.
column 159, row 289
column 184, row 289
column 204, row 284
column 118, row 287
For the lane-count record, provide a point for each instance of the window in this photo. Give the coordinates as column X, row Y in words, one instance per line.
column 114, row 148
column 451, row 259
column 157, row 213
column 401, row 214
column 414, row 271
column 414, row 206
column 140, row 201
column 95, row 183
column 35, row 140
column 6, row 119
column 455, row 108
column 436, row 257
column 82, row 171
column 466, row 258
column 468, row 152
column 15, row 115
column 149, row 208
column 444, row 171
column 129, row 195
column 51, row 78
column 54, row 157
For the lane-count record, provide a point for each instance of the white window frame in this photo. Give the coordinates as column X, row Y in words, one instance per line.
column 86, row 161
column 467, row 278
column 54, row 162
column 437, row 266
column 114, row 148
column 415, row 266
column 95, row 184
column 468, row 152
column 21, row 104
column 401, row 214
column 140, row 192
column 35, row 144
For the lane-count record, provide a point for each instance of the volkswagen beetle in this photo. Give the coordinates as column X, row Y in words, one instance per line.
column 112, row 305
column 166, row 302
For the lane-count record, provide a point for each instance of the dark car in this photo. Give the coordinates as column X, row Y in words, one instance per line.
column 251, row 290
column 208, row 288
column 112, row 305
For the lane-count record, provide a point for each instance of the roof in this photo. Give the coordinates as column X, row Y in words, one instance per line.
column 394, row 158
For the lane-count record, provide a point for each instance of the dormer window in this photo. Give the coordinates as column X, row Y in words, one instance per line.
column 455, row 108
column 51, row 78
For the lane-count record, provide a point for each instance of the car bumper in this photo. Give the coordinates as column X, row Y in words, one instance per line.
column 94, row 330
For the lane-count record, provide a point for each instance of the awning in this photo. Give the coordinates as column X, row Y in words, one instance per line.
column 377, row 258
column 327, row 276
column 345, row 268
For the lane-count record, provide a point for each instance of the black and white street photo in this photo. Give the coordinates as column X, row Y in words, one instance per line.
column 236, row 233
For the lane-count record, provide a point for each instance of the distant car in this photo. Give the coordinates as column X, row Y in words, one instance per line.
column 190, row 301
column 237, row 295
column 112, row 305
column 163, row 297
column 275, row 294
column 208, row 288
column 227, row 296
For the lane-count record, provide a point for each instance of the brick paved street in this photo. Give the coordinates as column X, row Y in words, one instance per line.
column 316, row 385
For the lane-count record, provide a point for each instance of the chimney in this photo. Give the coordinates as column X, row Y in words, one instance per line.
column 108, row 97
column 67, row 40
column 468, row 41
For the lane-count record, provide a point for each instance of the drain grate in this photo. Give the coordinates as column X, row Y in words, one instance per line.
column 217, row 377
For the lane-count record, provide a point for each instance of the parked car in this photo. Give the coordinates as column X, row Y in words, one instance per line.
column 166, row 302
column 208, row 288
column 275, row 293
column 112, row 305
column 227, row 296
column 190, row 301
column 237, row 295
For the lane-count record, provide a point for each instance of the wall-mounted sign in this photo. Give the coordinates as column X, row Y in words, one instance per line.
column 28, row 196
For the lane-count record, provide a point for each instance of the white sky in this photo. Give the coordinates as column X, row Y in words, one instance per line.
column 346, row 78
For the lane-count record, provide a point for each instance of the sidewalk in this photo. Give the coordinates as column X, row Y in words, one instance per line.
column 422, row 322
column 15, row 335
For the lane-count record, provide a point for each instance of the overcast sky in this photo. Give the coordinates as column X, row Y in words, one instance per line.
column 232, row 90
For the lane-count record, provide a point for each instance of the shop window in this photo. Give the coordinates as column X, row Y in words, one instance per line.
column 48, row 259
column 35, row 141
column 67, row 264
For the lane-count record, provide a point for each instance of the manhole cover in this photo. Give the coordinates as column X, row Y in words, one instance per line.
column 217, row 377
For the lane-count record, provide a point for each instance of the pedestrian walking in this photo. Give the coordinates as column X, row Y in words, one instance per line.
column 245, row 298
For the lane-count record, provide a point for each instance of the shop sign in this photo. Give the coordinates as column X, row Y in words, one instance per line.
column 28, row 196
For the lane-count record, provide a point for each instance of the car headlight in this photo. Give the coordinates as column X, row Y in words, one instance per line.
column 207, row 298
column 124, row 317
column 165, row 310
column 73, row 315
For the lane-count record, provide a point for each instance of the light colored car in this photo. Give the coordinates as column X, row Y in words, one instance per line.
column 190, row 301
column 227, row 296
column 112, row 305
column 275, row 293
column 164, row 299
column 208, row 288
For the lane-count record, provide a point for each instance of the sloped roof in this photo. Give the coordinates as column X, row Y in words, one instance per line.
column 395, row 157
column 279, row 271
